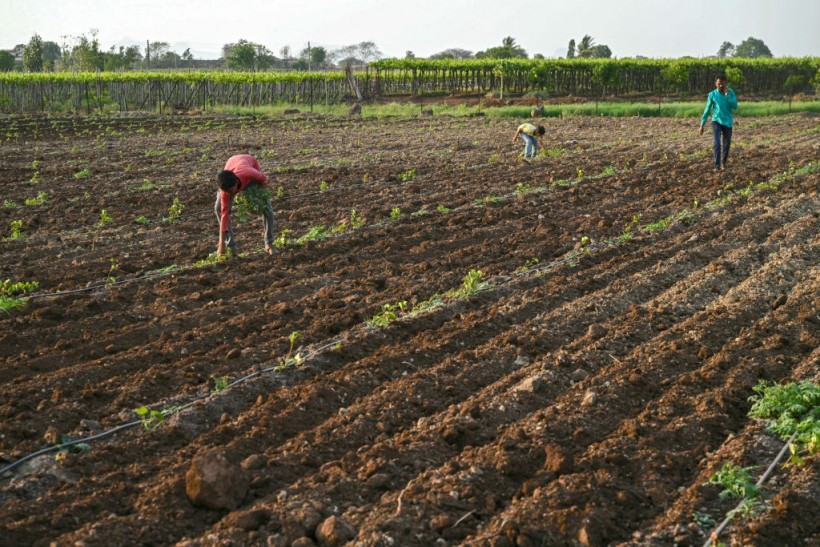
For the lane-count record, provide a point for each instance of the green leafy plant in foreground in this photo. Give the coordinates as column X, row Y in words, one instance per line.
column 735, row 481
column 10, row 289
column 395, row 213
column 788, row 410
column 151, row 419
column 282, row 240
column 316, row 233
column 142, row 220
column 8, row 204
column 407, row 176
column 84, row 173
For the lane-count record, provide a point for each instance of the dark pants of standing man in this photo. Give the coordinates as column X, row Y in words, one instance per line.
column 230, row 242
column 719, row 130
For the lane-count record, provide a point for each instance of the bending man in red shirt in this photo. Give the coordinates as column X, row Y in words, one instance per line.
column 240, row 172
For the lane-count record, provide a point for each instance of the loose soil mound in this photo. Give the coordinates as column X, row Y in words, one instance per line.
column 633, row 299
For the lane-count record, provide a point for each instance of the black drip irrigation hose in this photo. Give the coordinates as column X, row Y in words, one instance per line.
column 170, row 412
column 730, row 516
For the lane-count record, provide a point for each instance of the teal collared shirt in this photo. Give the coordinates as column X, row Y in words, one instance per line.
column 720, row 106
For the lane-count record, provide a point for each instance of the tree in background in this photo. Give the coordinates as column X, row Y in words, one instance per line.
column 453, row 53
column 51, row 55
column 245, row 55
column 409, row 55
column 124, row 59
column 6, row 61
column 508, row 50
column 33, row 55
column 361, row 53
column 588, row 49
column 571, row 50
column 727, row 49
column 752, row 47
column 313, row 57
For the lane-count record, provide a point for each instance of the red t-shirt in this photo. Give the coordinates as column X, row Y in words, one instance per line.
column 247, row 169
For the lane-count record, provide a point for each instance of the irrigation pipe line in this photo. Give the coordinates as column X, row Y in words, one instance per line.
column 344, row 235
column 172, row 410
column 714, row 534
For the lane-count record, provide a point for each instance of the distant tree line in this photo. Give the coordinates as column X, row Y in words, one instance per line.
column 83, row 53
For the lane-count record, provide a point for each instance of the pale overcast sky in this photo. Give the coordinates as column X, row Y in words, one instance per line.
column 652, row 28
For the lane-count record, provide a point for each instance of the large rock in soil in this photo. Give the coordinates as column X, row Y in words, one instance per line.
column 214, row 482
column 334, row 531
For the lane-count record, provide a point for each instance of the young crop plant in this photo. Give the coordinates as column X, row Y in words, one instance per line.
column 213, row 259
column 84, row 173
column 151, row 419
column 555, row 152
column 489, row 200
column 41, row 198
column 579, row 173
column 323, row 186
column 291, row 359
column 471, row 285
column 522, row 188
column 142, row 220
column 111, row 278
column 104, row 218
column 280, row 194
column 282, row 240
column 175, row 211
column 16, row 231
column 11, row 288
column 736, row 482
column 389, row 313
column 442, row 209
column 407, row 176
column 316, row 233
column 792, row 409
column 8, row 204
column 608, row 171
column 35, row 178
column 220, row 383
column 395, row 213
column 528, row 265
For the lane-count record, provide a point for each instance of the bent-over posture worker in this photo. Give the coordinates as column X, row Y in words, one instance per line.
column 240, row 172
column 532, row 137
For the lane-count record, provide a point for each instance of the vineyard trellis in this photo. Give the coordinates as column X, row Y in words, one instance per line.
column 184, row 90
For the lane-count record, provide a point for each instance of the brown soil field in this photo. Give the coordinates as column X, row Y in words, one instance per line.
column 630, row 299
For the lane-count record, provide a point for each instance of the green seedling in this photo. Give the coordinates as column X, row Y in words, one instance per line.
column 111, row 277
column 35, row 178
column 395, row 213
column 323, row 186
column 442, row 209
column 35, row 164
column 282, row 240
column 608, row 171
column 471, row 285
column 316, row 233
column 84, row 173
column 213, row 259
column 522, row 188
column 16, row 231
column 555, row 152
column 407, row 176
column 8, row 204
column 104, row 218
column 175, row 211
column 579, row 173
column 365, row 178
column 63, row 451
column 142, row 220
column 704, row 521
column 584, row 245
column 493, row 158
column 489, row 200
column 528, row 265
column 220, row 383
column 736, row 482
column 388, row 314
column 151, row 419
column 41, row 198
column 291, row 359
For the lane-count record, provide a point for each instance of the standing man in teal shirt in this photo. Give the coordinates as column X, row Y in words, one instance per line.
column 720, row 103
